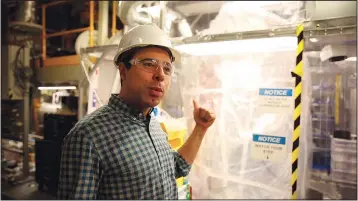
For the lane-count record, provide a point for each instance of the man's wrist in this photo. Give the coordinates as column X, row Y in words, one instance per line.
column 200, row 130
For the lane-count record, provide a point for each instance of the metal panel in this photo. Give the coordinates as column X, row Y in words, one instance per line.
column 59, row 74
column 334, row 9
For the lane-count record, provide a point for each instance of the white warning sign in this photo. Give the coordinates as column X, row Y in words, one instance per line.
column 275, row 100
column 268, row 147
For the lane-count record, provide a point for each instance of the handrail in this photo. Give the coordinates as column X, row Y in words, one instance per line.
column 55, row 3
column 67, row 32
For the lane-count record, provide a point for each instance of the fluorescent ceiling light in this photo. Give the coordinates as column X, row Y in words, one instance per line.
column 275, row 44
column 313, row 40
column 57, row 88
column 351, row 59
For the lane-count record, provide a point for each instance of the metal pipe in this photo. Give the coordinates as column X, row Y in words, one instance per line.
column 127, row 12
column 196, row 20
column 25, row 145
column 114, row 17
column 184, row 28
column 91, row 7
column 68, row 32
column 43, row 10
column 141, row 18
column 163, row 15
column 26, row 12
column 103, row 7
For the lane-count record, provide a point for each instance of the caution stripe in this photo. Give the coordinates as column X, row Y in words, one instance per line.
column 297, row 73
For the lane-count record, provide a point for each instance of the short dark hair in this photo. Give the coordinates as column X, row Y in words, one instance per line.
column 126, row 56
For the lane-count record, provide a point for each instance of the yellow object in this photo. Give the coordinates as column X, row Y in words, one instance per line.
column 176, row 140
column 338, row 94
column 180, row 182
column 297, row 73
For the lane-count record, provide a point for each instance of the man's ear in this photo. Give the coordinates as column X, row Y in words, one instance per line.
column 122, row 71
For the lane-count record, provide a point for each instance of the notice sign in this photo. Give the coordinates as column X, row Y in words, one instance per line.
column 275, row 100
column 268, row 147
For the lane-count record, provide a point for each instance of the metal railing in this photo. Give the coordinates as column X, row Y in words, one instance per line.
column 45, row 36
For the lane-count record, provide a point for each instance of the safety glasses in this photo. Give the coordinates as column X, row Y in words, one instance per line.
column 152, row 65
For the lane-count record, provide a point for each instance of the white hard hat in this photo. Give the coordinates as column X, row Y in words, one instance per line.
column 144, row 35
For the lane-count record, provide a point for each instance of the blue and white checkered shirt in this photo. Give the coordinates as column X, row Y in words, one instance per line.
column 117, row 153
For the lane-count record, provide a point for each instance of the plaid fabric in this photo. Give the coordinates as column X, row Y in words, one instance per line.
column 117, row 153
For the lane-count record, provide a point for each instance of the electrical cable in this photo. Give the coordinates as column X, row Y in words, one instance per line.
column 22, row 73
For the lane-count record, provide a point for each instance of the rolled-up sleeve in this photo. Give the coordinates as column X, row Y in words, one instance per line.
column 182, row 168
column 80, row 168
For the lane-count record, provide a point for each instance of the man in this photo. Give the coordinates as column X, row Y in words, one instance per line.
column 120, row 151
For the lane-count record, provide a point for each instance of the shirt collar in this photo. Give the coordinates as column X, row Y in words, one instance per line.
column 118, row 104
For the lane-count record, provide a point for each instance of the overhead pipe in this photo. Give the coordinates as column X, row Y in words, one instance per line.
column 177, row 23
column 127, row 12
column 169, row 20
column 26, row 12
column 103, row 8
column 163, row 15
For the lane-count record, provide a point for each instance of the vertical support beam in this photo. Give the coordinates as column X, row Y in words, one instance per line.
column 80, row 100
column 163, row 13
column 4, row 51
column 43, row 9
column 103, row 7
column 114, row 17
column 25, row 139
column 91, row 11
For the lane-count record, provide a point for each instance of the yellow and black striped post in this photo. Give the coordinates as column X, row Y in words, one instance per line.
column 297, row 73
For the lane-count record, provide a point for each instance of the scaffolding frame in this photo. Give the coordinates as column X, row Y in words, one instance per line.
column 72, row 59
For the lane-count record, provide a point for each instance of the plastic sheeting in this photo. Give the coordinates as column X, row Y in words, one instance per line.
column 229, row 85
column 332, row 93
column 245, row 16
column 226, row 77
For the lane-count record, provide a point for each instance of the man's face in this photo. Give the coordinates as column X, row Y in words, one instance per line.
column 143, row 88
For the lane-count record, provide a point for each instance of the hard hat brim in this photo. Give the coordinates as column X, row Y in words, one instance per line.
column 175, row 53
